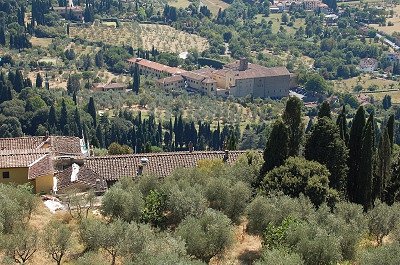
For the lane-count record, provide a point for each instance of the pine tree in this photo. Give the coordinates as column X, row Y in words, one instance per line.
column 355, row 144
column 92, row 111
column 277, row 149
column 325, row 110
column 341, row 122
column 364, row 184
column 292, row 118
column 39, row 80
column 326, row 147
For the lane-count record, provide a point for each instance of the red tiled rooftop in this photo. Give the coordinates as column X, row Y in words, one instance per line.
column 156, row 66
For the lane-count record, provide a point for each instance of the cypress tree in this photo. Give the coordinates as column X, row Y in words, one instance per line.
column 383, row 165
column 77, row 118
column 2, row 35
column 92, row 111
column 52, row 119
column 39, row 80
column 390, row 129
column 341, row 122
column 276, row 150
column 325, row 110
column 136, row 79
column 292, row 117
column 364, row 185
column 64, row 127
column 326, row 147
column 18, row 81
column 355, row 144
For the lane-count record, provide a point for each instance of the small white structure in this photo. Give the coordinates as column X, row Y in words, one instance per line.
column 74, row 173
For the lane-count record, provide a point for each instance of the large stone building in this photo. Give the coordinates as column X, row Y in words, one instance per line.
column 238, row 79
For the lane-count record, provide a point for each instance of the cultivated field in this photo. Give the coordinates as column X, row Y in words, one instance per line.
column 276, row 22
column 395, row 20
column 213, row 5
column 164, row 38
column 347, row 85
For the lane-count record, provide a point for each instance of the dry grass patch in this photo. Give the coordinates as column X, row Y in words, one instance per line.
column 347, row 85
column 41, row 42
column 164, row 38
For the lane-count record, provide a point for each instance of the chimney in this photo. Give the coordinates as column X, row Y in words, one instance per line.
column 226, row 156
column 140, row 170
column 98, row 185
column 191, row 148
column 243, row 64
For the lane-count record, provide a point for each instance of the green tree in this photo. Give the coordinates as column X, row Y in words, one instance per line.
column 73, row 84
column 57, row 238
column 384, row 160
column 136, row 79
column 383, row 255
column 18, row 82
column 277, row 148
column 207, row 235
column 292, row 117
column 364, row 185
column 355, row 144
column 341, row 122
column 316, row 83
column 325, row 110
column 63, row 125
column 297, row 176
column 92, row 111
column 21, row 244
column 279, row 256
column 326, row 147
column 39, row 80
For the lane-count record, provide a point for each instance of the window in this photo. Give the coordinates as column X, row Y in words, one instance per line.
column 6, row 175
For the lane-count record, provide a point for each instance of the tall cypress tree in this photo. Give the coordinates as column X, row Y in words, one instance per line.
column 364, row 184
column 341, row 122
column 18, row 81
column 2, row 35
column 390, row 128
column 52, row 119
column 384, row 162
column 277, row 149
column 39, row 80
column 64, row 126
column 92, row 111
column 292, row 117
column 355, row 144
column 326, row 147
column 136, row 79
column 77, row 118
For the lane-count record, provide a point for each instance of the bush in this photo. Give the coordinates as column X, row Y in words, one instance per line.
column 384, row 255
column 279, row 257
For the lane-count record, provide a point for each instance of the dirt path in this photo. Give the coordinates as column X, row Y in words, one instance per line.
column 244, row 251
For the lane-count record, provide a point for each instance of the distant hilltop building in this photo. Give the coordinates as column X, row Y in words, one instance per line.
column 70, row 10
column 309, row 5
column 238, row 79
column 368, row 65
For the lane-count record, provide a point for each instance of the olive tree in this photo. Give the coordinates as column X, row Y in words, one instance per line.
column 57, row 240
column 206, row 235
column 279, row 256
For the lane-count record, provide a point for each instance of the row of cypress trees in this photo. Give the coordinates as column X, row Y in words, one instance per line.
column 360, row 168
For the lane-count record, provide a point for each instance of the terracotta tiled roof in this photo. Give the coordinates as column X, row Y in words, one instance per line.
column 156, row 66
column 256, row 71
column 159, row 164
column 194, row 76
column 115, row 86
column 38, row 161
column 41, row 167
column 86, row 177
column 57, row 144
column 170, row 79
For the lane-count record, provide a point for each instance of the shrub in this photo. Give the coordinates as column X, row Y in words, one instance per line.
column 279, row 257
column 384, row 255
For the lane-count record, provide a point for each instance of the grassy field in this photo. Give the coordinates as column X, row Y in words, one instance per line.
column 276, row 22
column 347, row 85
column 395, row 20
column 213, row 5
column 164, row 38
column 42, row 42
